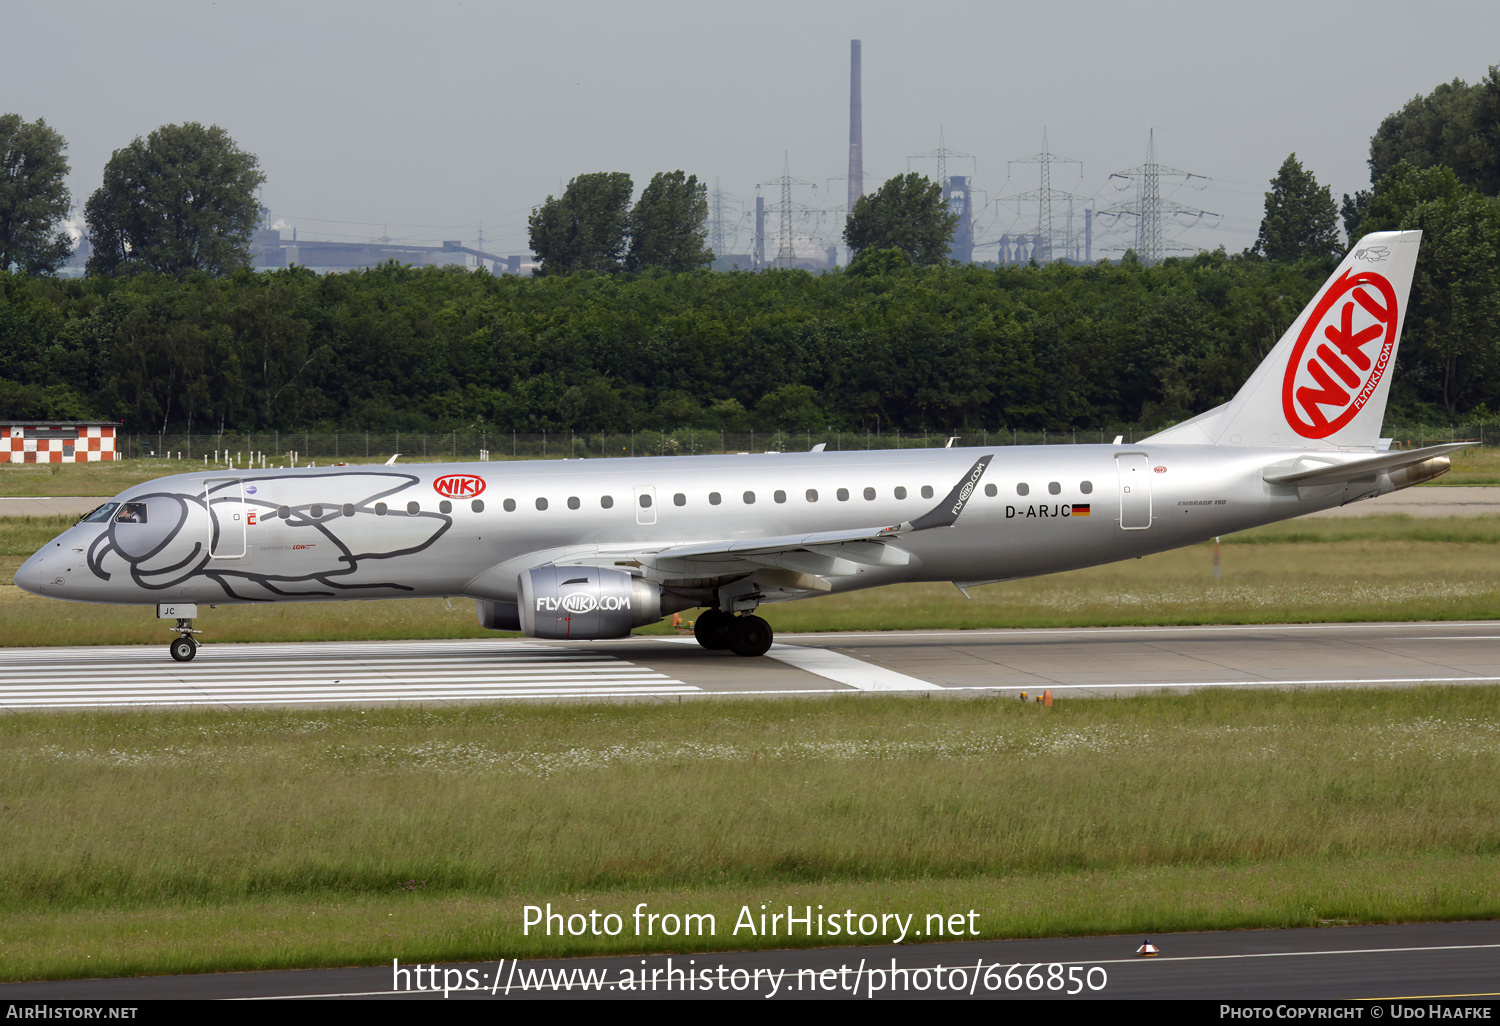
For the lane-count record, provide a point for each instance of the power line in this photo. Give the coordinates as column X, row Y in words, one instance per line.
column 1043, row 246
column 786, row 252
column 1149, row 208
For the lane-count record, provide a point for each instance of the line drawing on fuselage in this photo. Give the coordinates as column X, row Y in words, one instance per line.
column 161, row 551
column 591, row 549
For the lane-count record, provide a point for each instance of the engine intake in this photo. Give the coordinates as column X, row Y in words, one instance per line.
column 585, row 603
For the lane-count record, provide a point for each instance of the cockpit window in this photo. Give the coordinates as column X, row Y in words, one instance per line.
column 131, row 513
column 102, row 514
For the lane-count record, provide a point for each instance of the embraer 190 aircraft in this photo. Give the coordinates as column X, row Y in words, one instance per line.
column 590, row 549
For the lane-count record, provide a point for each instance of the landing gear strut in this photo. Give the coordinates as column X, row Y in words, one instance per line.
column 744, row 635
column 185, row 647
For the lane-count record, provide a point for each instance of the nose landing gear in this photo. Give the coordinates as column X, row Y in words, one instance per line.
column 185, row 647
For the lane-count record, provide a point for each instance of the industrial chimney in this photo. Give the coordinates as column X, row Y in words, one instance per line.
column 856, row 132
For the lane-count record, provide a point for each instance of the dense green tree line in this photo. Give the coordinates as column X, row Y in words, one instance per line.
column 626, row 331
column 395, row 348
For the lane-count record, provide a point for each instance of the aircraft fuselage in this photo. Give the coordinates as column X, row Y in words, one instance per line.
column 436, row 529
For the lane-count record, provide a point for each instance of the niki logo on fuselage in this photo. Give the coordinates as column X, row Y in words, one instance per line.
column 459, row 486
column 1057, row 509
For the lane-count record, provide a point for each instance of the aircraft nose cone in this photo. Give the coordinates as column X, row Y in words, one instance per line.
column 32, row 574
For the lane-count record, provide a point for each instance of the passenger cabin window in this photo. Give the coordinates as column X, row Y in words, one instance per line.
column 749, row 498
column 607, row 501
column 445, row 506
column 381, row 509
column 477, row 505
column 679, row 499
column 645, row 501
column 779, row 496
column 812, row 495
column 991, row 490
column 573, row 502
column 843, row 494
column 1053, row 487
column 900, row 491
column 927, row 491
column 714, row 498
column 317, row 512
column 869, row 495
column 510, row 505
column 541, row 504
column 412, row 509
column 1023, row 489
column 348, row 509
column 1085, row 487
column 285, row 512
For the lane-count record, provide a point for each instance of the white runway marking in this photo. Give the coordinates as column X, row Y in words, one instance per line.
column 847, row 670
column 309, row 674
column 834, row 666
column 1250, row 682
column 1237, row 628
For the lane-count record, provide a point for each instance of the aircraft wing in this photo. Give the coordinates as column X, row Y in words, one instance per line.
column 751, row 547
column 798, row 562
column 944, row 514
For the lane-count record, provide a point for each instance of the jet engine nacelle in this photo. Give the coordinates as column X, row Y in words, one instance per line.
column 585, row 603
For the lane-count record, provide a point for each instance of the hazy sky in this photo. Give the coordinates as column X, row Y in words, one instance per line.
column 431, row 121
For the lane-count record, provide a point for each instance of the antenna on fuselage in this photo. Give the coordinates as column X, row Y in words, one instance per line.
column 392, row 460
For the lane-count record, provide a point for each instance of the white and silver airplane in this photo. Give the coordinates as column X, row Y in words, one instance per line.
column 586, row 550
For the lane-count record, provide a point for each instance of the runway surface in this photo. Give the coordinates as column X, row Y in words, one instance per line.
column 1453, row 961
column 1081, row 662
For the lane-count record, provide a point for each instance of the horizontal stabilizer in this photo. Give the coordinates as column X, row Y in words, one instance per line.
column 1299, row 474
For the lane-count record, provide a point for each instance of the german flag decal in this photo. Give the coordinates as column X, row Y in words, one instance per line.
column 1080, row 509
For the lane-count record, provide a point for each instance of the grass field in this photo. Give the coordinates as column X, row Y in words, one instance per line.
column 196, row 841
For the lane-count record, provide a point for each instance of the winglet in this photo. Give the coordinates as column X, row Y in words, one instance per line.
column 945, row 513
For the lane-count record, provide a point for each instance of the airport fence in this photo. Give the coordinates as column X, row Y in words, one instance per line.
column 304, row 447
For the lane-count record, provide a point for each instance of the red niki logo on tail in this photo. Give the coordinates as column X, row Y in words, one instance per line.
column 1327, row 385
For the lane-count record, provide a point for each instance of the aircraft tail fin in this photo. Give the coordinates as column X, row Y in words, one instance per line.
column 1325, row 384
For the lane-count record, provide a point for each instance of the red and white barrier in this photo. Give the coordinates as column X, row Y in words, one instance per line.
column 56, row 442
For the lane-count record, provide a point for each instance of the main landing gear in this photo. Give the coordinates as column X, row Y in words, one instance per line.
column 745, row 635
column 185, row 647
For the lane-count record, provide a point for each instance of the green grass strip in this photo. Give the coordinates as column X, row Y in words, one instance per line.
column 209, row 840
